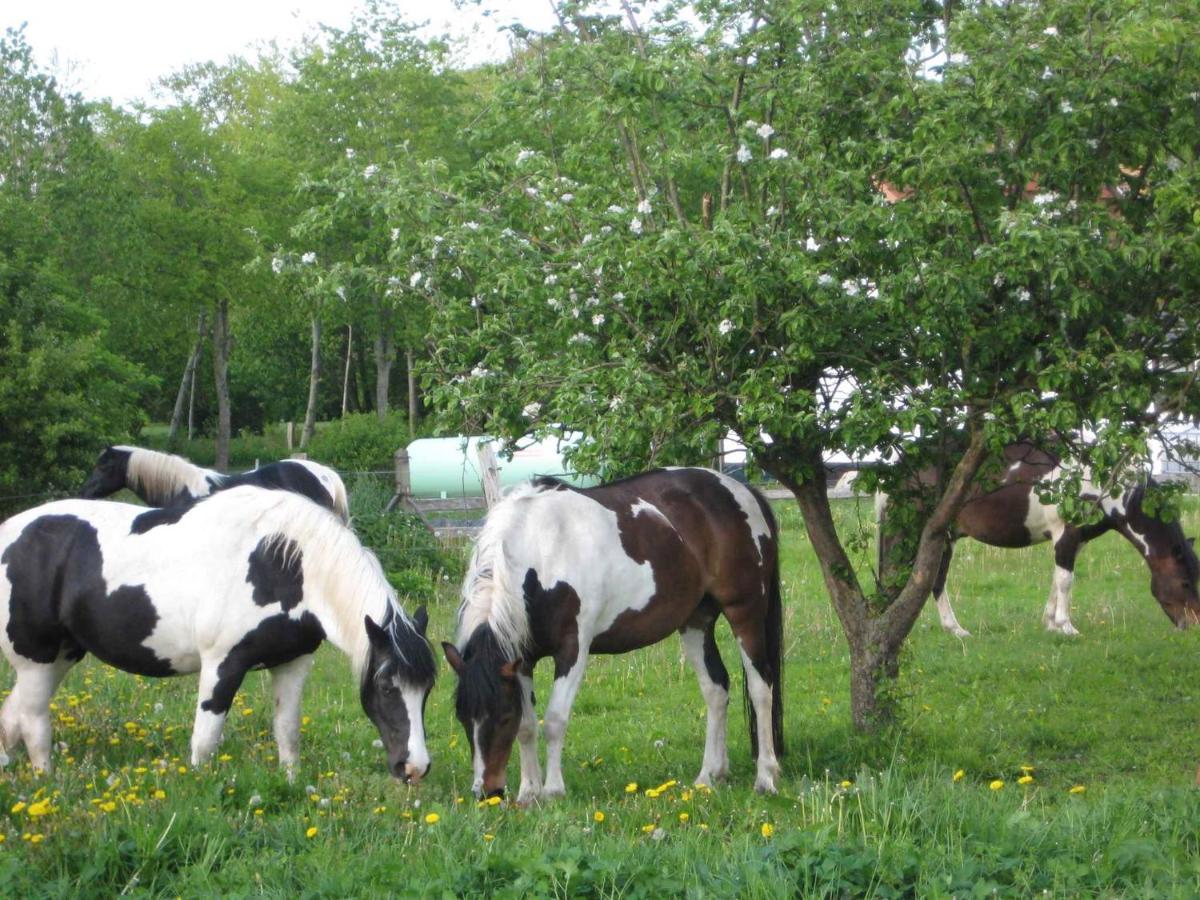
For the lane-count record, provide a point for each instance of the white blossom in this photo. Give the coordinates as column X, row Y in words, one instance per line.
column 341, row 293
column 471, row 226
column 850, row 287
column 550, row 279
column 1066, row 107
column 618, row 297
column 592, row 302
column 524, row 155
column 779, row 153
column 811, row 244
column 579, row 338
column 635, row 225
column 276, row 264
column 1114, row 102
column 395, row 234
column 616, row 403
column 553, row 302
column 532, row 191
column 531, row 410
column 1045, row 198
column 480, row 371
column 415, row 279
column 1023, row 295
column 824, row 279
column 644, row 207
column 370, row 171
column 574, row 312
column 308, row 258
column 743, row 154
column 616, row 210
column 567, row 198
column 764, row 131
column 587, row 239
column 750, row 123
column 606, row 229
column 598, row 319
column 1047, row 73
column 349, row 153
column 772, row 211
column 725, row 326
column 1050, row 32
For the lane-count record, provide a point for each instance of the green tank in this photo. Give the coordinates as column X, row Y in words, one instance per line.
column 449, row 467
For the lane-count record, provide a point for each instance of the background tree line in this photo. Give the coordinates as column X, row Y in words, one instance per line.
column 909, row 228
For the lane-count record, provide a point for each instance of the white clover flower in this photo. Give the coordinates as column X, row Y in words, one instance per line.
column 415, row 279
column 255, row 800
column 998, row 280
column 1066, row 107
column 550, row 279
column 370, row 171
column 764, row 131
column 635, row 225
column 598, row 319
column 587, row 239
column 779, row 153
column 349, row 153
column 644, row 207
column 308, row 258
column 531, row 410
column 574, row 312
column 616, row 210
column 725, row 326
column 1050, row 32
column 524, row 155
column 744, row 155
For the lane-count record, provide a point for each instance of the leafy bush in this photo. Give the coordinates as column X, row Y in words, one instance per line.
column 360, row 442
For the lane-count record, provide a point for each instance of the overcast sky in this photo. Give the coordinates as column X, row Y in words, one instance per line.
column 118, row 48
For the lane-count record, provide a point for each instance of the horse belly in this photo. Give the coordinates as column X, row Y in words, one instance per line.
column 1009, row 517
column 633, row 629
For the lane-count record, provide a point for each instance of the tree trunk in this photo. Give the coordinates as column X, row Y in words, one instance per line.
column 314, row 383
column 385, row 354
column 192, row 409
column 346, row 375
column 412, row 396
column 221, row 345
column 188, row 382
column 875, row 627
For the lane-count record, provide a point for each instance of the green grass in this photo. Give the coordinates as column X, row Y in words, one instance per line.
column 1113, row 711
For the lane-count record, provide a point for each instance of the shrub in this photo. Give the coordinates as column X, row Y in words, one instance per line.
column 360, row 442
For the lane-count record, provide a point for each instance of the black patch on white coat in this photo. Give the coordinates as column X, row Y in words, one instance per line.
column 60, row 603
column 553, row 615
column 274, row 641
column 276, row 572
column 167, row 515
column 285, row 475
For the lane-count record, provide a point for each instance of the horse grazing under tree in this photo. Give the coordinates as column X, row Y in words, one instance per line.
column 1010, row 514
column 561, row 572
column 241, row 580
column 160, row 479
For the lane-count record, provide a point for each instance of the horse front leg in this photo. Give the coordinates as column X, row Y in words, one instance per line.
column 527, row 734
column 287, row 682
column 945, row 610
column 1057, row 615
column 700, row 648
column 558, row 713
column 27, row 710
column 212, row 706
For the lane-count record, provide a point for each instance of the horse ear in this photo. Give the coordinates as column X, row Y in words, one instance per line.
column 421, row 619
column 509, row 669
column 377, row 635
column 453, row 657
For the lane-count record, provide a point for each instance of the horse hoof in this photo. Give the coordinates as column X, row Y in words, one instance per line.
column 960, row 632
column 763, row 786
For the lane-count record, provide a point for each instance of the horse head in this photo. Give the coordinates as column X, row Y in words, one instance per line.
column 488, row 704
column 108, row 476
column 1173, row 579
column 396, row 683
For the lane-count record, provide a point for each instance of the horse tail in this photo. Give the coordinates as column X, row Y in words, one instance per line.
column 772, row 660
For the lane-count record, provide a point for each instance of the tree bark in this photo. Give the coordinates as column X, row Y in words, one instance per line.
column 221, row 345
column 412, row 395
column 187, row 382
column 346, row 375
column 385, row 356
column 314, row 383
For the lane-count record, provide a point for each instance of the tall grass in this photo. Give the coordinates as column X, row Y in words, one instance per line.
column 1112, row 712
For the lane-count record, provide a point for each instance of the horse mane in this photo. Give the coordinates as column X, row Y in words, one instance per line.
column 159, row 477
column 489, row 595
column 333, row 481
column 350, row 579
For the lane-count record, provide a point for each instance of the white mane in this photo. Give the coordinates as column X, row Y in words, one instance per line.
column 489, row 594
column 333, row 483
column 160, row 476
column 348, row 579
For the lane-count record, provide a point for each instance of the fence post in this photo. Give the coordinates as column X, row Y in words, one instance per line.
column 291, row 436
column 489, row 473
column 403, row 494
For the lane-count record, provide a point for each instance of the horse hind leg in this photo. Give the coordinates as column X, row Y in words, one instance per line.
column 700, row 648
column 287, row 683
column 761, row 670
column 945, row 610
column 10, row 727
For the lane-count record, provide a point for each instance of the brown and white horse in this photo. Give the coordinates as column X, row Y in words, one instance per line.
column 1011, row 515
column 562, row 573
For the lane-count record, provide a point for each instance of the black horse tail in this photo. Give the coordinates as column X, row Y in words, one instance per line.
column 771, row 667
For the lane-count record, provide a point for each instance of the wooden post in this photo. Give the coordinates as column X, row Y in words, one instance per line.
column 489, row 473
column 403, row 495
column 291, row 435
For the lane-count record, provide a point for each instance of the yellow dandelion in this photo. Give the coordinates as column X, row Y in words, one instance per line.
column 41, row 808
column 109, row 806
column 494, row 801
column 1025, row 779
column 19, row 806
column 224, row 757
column 685, row 796
column 683, row 817
column 996, row 785
column 160, row 794
column 959, row 775
column 648, row 828
column 845, row 784
column 652, row 793
column 432, row 819
column 3, row 838
column 312, row 831
column 258, row 812
column 305, row 720
column 247, row 711
column 489, row 837
column 1026, row 769
column 631, row 788
column 380, row 809
column 182, row 770
column 1078, row 789
column 767, row 829
column 36, row 838
column 597, row 817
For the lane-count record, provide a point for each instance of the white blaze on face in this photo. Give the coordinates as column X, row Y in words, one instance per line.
column 477, row 787
column 418, row 753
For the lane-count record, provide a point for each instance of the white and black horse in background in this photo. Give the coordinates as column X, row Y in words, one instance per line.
column 244, row 579
column 161, row 479
column 562, row 573
column 1008, row 513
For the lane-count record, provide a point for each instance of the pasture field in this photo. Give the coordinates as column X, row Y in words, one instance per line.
column 1105, row 726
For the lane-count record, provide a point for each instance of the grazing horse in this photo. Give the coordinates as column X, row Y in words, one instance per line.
column 1010, row 514
column 561, row 572
column 244, row 579
column 160, row 479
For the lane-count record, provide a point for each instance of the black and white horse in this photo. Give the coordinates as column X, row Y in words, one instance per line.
column 244, row 579
column 563, row 573
column 160, row 479
column 1010, row 514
